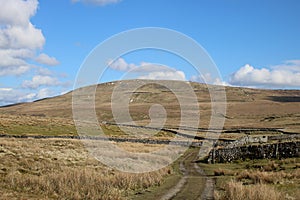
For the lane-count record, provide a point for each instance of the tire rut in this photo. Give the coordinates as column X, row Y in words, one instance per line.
column 194, row 184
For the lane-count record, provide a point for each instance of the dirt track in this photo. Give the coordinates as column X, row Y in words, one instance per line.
column 194, row 184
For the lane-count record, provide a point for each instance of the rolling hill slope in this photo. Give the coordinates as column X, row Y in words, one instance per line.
column 246, row 108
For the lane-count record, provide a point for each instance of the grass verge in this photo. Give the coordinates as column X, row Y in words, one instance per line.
column 256, row 179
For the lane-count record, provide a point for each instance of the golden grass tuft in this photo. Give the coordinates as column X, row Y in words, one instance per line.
column 237, row 191
column 271, row 166
column 267, row 177
column 223, row 172
column 63, row 169
column 82, row 184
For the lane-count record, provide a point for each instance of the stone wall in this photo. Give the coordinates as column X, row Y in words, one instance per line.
column 276, row 150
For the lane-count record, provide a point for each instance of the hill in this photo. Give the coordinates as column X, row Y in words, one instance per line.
column 246, row 108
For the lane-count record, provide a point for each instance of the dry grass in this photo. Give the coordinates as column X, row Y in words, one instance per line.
column 135, row 132
column 247, row 107
column 271, row 166
column 62, row 169
column 235, row 190
column 81, row 183
column 69, row 183
column 224, row 172
column 268, row 177
column 139, row 147
column 279, row 179
column 35, row 125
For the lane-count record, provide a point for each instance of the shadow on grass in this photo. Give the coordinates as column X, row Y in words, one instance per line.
column 285, row 99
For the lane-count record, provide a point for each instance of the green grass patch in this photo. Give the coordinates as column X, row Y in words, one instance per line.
column 52, row 130
column 283, row 175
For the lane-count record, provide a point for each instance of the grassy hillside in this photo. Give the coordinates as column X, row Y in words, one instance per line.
column 55, row 168
column 245, row 108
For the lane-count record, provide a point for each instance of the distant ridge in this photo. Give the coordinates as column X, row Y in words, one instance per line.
column 246, row 107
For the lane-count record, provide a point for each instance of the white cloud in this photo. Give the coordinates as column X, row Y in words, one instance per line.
column 43, row 71
column 47, row 60
column 97, row 2
column 7, row 96
column 284, row 75
column 19, row 38
column 146, row 70
column 154, row 71
column 14, row 57
column 27, row 97
column 39, row 80
column 220, row 82
column 17, row 12
column 14, row 70
column 44, row 93
column 293, row 65
column 5, row 89
column 164, row 75
column 11, row 95
column 120, row 65
column 208, row 79
column 20, row 41
column 13, row 61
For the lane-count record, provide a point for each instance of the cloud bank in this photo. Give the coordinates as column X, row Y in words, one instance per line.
column 207, row 79
column 19, row 38
column 120, row 65
column 11, row 95
column 146, row 70
column 21, row 44
column 38, row 81
column 46, row 60
column 280, row 76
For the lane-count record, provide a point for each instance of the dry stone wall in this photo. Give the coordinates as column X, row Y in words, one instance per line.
column 276, row 150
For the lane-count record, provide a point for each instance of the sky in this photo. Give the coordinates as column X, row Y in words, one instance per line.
column 43, row 43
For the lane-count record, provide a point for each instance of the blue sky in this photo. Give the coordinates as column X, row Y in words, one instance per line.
column 43, row 43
